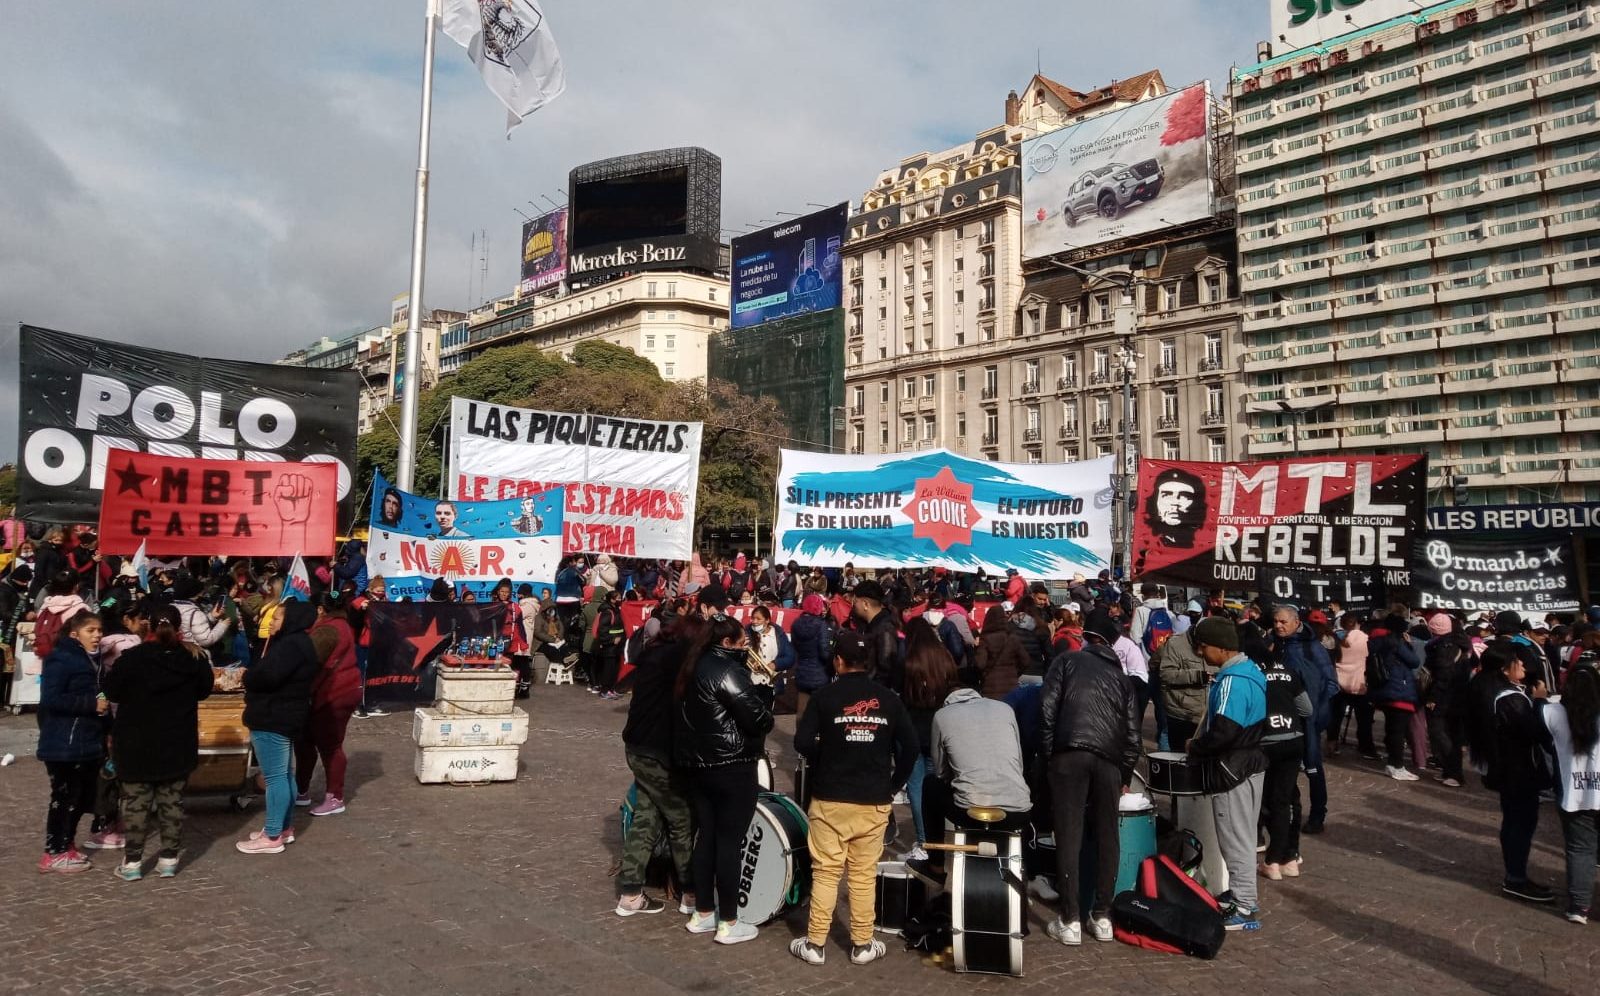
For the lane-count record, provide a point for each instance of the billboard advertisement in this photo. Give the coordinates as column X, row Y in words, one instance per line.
column 788, row 269
column 940, row 509
column 1299, row 23
column 670, row 252
column 631, row 483
column 1282, row 526
column 630, row 207
column 1119, row 174
column 544, row 252
column 82, row 399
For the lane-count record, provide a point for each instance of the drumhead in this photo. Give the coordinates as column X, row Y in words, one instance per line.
column 985, row 915
column 1168, row 756
column 773, row 856
column 764, row 774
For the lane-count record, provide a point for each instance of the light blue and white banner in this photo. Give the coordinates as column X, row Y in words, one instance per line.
column 935, row 508
column 474, row 545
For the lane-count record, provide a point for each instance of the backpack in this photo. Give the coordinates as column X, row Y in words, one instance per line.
column 46, row 631
column 1168, row 911
column 1157, row 630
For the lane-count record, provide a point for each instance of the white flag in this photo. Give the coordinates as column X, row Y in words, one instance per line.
column 511, row 44
column 140, row 565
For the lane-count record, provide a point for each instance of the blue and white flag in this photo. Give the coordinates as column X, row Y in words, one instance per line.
column 298, row 586
column 141, row 566
column 511, row 44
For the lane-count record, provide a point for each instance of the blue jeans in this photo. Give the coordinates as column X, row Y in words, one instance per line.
column 273, row 753
column 914, row 793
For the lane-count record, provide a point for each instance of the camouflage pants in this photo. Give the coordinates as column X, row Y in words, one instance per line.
column 163, row 801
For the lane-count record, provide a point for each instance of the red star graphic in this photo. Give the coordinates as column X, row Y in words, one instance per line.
column 941, row 509
column 425, row 643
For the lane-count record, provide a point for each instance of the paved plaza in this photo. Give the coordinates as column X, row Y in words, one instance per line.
column 505, row 889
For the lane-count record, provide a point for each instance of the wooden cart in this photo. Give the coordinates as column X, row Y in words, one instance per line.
column 227, row 764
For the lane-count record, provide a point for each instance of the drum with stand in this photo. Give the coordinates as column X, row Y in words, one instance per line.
column 988, row 899
column 1176, row 776
column 776, row 861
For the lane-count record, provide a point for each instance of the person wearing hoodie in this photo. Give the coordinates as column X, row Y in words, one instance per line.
column 1350, row 669
column 1295, row 645
column 1233, row 767
column 71, row 738
column 61, row 602
column 277, row 707
column 1392, row 687
column 1001, row 658
column 1449, row 657
column 1016, row 586
column 811, row 636
column 1509, row 743
column 604, row 574
column 351, row 566
column 335, row 694
column 156, row 687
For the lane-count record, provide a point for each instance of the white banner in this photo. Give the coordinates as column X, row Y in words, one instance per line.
column 934, row 508
column 630, row 483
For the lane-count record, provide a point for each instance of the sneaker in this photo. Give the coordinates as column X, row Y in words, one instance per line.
column 1291, row 869
column 593, row 690
column 866, row 954
column 686, row 904
column 1577, row 915
column 331, row 805
column 166, row 867
column 807, row 952
column 130, row 871
column 634, row 905
column 917, row 853
column 1400, row 774
column 373, row 712
column 260, row 843
column 1043, row 890
column 1241, row 919
column 701, row 923
column 1531, row 892
column 303, row 799
column 1450, row 783
column 734, row 932
column 1272, row 870
column 360, row 714
column 65, row 863
column 105, row 840
column 1225, row 902
column 287, row 836
column 901, row 799
column 1070, row 934
column 1312, row 827
column 1369, row 754
column 924, row 870
column 1101, row 926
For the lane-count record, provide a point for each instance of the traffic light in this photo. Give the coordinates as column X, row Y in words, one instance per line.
column 1459, row 483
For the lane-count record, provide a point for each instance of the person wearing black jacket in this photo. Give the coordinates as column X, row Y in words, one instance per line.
column 662, row 797
column 1089, row 731
column 1449, row 658
column 1289, row 722
column 155, row 742
column 277, row 707
column 723, row 718
column 859, row 741
column 877, row 624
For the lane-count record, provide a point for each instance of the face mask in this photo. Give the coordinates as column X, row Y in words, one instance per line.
column 759, row 627
column 934, row 617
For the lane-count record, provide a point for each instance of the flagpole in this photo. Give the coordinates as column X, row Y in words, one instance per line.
column 406, row 464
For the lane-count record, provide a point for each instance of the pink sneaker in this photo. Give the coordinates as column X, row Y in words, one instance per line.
column 105, row 840
column 287, row 836
column 329, row 806
column 260, row 844
column 65, row 863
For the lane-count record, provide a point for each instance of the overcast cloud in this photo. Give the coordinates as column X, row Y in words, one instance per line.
column 235, row 179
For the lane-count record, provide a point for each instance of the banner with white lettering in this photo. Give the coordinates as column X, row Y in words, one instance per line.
column 1316, row 521
column 1533, row 575
column 630, row 483
column 1571, row 516
column 474, row 545
column 82, row 398
column 935, row 508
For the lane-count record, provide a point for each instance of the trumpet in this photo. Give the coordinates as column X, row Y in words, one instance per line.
column 760, row 668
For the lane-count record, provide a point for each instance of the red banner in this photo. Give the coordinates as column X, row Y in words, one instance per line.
column 226, row 508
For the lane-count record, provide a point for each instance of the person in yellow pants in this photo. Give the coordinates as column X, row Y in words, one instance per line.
column 858, row 740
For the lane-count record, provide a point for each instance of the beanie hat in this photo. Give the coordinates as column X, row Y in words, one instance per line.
column 1439, row 623
column 1215, row 631
column 813, row 604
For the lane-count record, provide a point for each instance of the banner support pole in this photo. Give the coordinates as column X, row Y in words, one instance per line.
column 405, row 470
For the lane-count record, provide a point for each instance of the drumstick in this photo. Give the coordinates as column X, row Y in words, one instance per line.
column 985, row 849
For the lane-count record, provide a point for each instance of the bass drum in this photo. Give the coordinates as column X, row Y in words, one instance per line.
column 775, row 867
column 1172, row 773
column 987, row 905
column 764, row 774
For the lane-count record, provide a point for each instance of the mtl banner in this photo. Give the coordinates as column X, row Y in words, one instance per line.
column 1532, row 574
column 82, row 399
column 176, row 506
column 939, row 509
column 474, row 545
column 407, row 637
column 1287, row 528
column 630, row 483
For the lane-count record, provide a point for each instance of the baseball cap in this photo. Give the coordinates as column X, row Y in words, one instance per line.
column 852, row 647
column 1539, row 626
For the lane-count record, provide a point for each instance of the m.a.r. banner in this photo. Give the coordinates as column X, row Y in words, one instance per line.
column 82, row 399
column 1309, row 529
column 630, row 482
column 939, row 509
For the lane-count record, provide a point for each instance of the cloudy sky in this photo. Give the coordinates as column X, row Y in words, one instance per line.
column 235, row 179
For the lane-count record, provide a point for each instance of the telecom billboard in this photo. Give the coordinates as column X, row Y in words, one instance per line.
column 1123, row 173
column 544, row 252
column 788, row 269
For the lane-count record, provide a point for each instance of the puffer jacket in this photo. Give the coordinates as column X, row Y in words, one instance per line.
column 70, row 727
column 723, row 717
column 1400, row 665
column 1450, row 660
column 1088, row 704
column 1507, row 739
column 156, row 688
column 811, row 638
column 277, row 690
column 337, row 686
column 1302, row 653
column 199, row 628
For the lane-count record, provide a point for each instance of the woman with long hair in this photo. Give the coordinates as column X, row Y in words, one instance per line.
column 930, row 676
column 1001, row 658
column 71, row 738
column 1574, row 725
column 723, row 718
column 515, row 633
column 277, row 706
column 157, row 687
column 335, row 694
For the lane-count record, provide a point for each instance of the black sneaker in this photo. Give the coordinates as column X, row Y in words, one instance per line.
column 1578, row 915
column 1531, row 892
column 1312, row 827
column 927, row 872
column 1370, row 755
